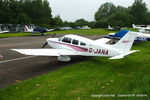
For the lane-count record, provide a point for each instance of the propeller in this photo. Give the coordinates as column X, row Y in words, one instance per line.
column 53, row 35
column 44, row 45
column 46, row 42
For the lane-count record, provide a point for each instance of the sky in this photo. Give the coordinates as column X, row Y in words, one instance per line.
column 71, row 10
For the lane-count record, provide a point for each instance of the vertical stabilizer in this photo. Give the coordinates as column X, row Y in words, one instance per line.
column 134, row 26
column 109, row 27
column 126, row 42
column 27, row 29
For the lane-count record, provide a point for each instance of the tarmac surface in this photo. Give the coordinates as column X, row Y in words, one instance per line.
column 15, row 66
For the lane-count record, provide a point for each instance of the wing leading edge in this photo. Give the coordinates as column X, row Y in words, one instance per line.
column 46, row 52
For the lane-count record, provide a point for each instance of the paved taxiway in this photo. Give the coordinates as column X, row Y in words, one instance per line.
column 15, row 66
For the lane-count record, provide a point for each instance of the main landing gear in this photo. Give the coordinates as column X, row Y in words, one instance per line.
column 64, row 58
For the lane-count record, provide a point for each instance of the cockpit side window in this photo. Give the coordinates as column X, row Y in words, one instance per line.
column 76, row 42
column 82, row 44
column 66, row 39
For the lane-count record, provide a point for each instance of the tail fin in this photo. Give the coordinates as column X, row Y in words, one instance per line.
column 109, row 27
column 27, row 29
column 126, row 42
column 133, row 25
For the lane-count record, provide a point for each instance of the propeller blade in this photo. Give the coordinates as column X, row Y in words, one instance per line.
column 44, row 45
column 54, row 35
column 46, row 42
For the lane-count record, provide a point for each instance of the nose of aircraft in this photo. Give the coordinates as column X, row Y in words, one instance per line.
column 52, row 41
column 49, row 42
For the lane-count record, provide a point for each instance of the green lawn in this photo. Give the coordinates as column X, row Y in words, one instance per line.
column 99, row 75
column 90, row 32
column 4, row 35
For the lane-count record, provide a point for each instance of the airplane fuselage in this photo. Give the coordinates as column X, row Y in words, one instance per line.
column 90, row 47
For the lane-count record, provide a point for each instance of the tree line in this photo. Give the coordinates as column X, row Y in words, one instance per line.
column 109, row 14
column 25, row 12
column 39, row 12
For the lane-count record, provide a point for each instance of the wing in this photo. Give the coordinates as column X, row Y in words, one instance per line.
column 123, row 55
column 4, row 31
column 46, row 52
column 102, row 40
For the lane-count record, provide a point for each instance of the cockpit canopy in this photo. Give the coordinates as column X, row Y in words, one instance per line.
column 73, row 41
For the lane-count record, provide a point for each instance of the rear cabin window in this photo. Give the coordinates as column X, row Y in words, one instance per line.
column 76, row 42
column 67, row 40
column 82, row 44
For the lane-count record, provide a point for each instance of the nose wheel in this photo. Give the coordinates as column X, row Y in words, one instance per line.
column 64, row 58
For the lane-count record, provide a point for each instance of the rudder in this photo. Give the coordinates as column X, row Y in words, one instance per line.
column 126, row 42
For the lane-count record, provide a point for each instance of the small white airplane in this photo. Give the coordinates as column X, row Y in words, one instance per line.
column 115, row 28
column 38, row 30
column 136, row 27
column 110, row 28
column 27, row 29
column 73, row 45
column 49, row 30
column 139, row 37
column 145, row 29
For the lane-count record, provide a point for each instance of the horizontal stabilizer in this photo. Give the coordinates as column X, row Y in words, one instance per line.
column 123, row 55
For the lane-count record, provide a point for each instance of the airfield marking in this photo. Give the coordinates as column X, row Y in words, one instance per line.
column 16, row 59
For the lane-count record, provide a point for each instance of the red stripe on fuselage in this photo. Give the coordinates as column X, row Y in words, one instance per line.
column 77, row 48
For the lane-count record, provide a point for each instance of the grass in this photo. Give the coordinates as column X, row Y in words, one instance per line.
column 4, row 35
column 99, row 75
column 90, row 32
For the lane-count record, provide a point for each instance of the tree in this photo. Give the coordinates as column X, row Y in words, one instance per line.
column 105, row 10
column 140, row 11
column 58, row 21
column 81, row 22
column 69, row 24
column 121, row 9
column 108, row 14
column 5, row 12
column 47, row 11
column 121, row 19
column 23, row 18
column 25, row 11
